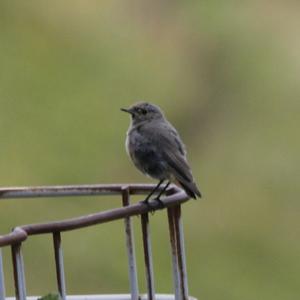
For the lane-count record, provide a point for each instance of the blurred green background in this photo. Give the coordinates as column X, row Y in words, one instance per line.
column 227, row 75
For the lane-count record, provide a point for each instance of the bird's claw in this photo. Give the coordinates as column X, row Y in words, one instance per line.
column 161, row 204
column 152, row 205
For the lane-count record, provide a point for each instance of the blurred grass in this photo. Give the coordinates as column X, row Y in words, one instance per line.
column 227, row 75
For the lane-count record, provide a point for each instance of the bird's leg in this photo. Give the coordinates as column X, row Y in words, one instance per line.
column 153, row 191
column 161, row 192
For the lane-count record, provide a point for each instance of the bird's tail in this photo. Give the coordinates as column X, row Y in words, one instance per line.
column 190, row 188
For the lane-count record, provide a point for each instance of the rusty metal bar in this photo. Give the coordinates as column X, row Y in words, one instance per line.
column 72, row 190
column 178, row 254
column 2, row 284
column 181, row 252
column 148, row 256
column 59, row 264
column 17, row 236
column 174, row 253
column 19, row 274
column 109, row 297
column 130, row 248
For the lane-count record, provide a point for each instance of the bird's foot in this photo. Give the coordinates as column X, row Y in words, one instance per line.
column 146, row 201
column 149, row 205
column 154, row 204
column 161, row 205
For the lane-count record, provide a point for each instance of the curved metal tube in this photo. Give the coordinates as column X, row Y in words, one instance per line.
column 175, row 196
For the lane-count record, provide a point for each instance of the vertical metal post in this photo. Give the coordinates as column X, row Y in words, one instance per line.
column 178, row 253
column 2, row 285
column 59, row 264
column 174, row 252
column 130, row 248
column 148, row 256
column 181, row 252
column 19, row 274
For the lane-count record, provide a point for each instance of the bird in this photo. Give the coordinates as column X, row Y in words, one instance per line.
column 157, row 150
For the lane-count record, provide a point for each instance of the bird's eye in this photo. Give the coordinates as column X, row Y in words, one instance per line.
column 142, row 111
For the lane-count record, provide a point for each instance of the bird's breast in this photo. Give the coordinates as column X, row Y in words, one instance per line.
column 127, row 141
column 145, row 155
column 132, row 142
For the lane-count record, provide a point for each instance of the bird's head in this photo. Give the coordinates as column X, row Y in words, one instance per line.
column 144, row 112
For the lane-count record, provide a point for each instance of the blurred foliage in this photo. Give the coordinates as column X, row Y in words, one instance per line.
column 50, row 297
column 227, row 75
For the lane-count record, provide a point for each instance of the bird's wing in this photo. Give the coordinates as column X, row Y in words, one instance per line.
column 172, row 150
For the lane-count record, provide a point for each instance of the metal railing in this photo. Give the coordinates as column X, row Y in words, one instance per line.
column 172, row 202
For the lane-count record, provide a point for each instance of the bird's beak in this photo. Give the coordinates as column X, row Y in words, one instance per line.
column 127, row 110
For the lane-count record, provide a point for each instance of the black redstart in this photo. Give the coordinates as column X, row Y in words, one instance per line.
column 157, row 150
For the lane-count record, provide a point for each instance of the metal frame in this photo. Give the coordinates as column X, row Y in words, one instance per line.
column 172, row 202
column 2, row 286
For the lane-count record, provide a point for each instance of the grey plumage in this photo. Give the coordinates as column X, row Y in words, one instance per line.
column 156, row 149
